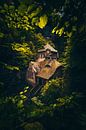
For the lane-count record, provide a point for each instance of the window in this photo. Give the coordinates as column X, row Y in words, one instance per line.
column 47, row 65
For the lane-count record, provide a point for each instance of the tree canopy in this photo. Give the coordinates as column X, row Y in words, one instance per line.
column 25, row 27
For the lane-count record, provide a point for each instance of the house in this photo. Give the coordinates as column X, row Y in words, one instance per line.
column 45, row 67
column 48, row 52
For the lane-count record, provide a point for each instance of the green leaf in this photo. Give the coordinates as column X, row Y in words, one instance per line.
column 1, row 35
column 43, row 21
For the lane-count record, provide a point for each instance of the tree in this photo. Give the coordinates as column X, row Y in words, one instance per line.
column 25, row 26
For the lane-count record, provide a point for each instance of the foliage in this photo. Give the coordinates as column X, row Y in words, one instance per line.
column 25, row 27
column 23, row 17
column 33, row 126
column 9, row 115
column 52, row 90
column 43, row 21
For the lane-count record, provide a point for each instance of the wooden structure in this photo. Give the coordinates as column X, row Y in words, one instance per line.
column 45, row 67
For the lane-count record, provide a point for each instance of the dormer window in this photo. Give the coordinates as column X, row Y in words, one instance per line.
column 47, row 51
column 48, row 57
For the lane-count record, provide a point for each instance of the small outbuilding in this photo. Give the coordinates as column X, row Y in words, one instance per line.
column 45, row 67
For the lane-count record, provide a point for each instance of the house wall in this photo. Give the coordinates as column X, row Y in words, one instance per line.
column 31, row 75
column 40, row 81
column 41, row 54
column 49, row 54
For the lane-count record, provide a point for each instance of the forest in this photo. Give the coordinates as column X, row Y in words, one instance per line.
column 25, row 27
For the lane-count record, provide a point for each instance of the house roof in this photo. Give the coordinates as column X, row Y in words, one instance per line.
column 41, row 50
column 47, row 46
column 49, row 69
